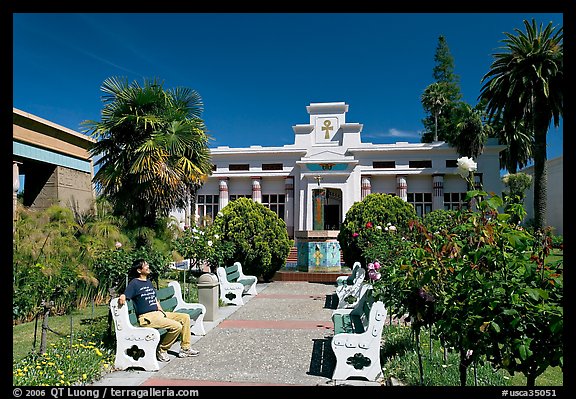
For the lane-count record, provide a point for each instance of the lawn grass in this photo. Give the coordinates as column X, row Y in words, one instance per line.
column 23, row 334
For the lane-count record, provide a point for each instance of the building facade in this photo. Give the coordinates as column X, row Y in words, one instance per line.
column 53, row 162
column 554, row 194
column 312, row 183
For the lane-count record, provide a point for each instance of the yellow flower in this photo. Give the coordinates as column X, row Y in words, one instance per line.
column 60, row 372
column 84, row 376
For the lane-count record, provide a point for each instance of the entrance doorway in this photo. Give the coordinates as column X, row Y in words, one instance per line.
column 332, row 217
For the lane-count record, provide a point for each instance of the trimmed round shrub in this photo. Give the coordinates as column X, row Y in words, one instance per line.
column 368, row 218
column 259, row 236
column 439, row 220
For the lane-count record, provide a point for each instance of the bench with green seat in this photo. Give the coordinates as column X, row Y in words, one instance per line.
column 234, row 274
column 135, row 345
column 357, row 338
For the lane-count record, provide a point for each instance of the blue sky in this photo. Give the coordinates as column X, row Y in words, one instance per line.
column 257, row 72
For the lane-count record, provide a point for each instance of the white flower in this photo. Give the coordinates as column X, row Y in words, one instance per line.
column 386, row 228
column 209, row 243
column 216, row 236
column 465, row 166
column 220, row 214
column 392, row 228
column 389, row 224
column 378, row 227
column 118, row 244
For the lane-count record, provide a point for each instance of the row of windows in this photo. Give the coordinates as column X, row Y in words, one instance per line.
column 208, row 204
column 423, row 202
column 245, row 166
column 450, row 163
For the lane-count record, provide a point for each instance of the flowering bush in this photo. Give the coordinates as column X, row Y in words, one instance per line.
column 203, row 245
column 482, row 283
column 65, row 364
column 366, row 220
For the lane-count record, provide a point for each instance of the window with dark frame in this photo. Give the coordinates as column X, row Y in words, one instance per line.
column 275, row 202
column 239, row 166
column 420, row 164
column 272, row 166
column 422, row 202
column 207, row 208
column 384, row 164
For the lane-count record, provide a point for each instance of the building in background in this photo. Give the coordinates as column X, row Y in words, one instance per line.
column 312, row 183
column 555, row 194
column 53, row 162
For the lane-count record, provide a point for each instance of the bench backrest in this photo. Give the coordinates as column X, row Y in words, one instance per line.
column 232, row 273
column 362, row 309
column 167, row 299
column 352, row 277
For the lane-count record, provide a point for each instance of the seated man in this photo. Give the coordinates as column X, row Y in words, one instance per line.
column 150, row 313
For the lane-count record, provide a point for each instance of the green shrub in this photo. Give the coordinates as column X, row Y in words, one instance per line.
column 440, row 220
column 261, row 242
column 366, row 219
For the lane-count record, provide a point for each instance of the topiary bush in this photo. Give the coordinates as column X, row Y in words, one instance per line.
column 261, row 242
column 367, row 218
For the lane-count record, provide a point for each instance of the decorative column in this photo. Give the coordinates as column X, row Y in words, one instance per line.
column 256, row 189
column 289, row 205
column 366, row 186
column 402, row 187
column 15, row 187
column 438, row 192
column 223, row 190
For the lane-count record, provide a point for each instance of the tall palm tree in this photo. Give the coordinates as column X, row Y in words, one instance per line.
column 152, row 146
column 525, row 83
column 434, row 99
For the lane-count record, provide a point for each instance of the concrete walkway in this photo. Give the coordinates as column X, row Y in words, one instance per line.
column 279, row 337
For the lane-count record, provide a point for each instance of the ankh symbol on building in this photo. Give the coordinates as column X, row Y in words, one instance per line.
column 327, row 127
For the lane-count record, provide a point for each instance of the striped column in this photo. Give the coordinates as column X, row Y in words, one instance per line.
column 366, row 187
column 402, row 187
column 256, row 190
column 223, row 189
column 438, row 192
column 289, row 205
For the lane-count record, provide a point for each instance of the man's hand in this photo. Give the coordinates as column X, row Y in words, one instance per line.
column 121, row 300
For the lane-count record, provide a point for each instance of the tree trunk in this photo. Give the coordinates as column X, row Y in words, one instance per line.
column 540, row 175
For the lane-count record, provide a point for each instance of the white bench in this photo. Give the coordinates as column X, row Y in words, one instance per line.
column 357, row 339
column 135, row 345
column 234, row 284
column 345, row 289
column 234, row 274
column 348, row 279
column 230, row 293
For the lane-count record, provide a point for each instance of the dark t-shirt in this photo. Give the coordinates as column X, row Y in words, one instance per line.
column 143, row 295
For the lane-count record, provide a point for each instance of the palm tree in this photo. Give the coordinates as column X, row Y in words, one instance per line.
column 525, row 83
column 433, row 99
column 152, row 146
column 472, row 130
column 519, row 143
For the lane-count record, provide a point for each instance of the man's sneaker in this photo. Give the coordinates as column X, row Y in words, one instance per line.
column 162, row 356
column 188, row 353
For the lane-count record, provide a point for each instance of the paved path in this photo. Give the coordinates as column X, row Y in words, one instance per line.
column 279, row 337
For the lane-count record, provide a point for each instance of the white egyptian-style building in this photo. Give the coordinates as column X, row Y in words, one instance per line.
column 312, row 183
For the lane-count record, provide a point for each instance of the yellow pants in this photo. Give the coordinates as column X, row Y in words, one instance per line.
column 176, row 324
